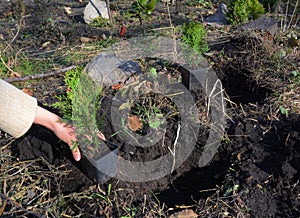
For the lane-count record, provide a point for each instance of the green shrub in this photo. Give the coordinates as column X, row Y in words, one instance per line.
column 194, row 35
column 65, row 102
column 241, row 11
column 146, row 6
column 140, row 9
column 80, row 104
column 238, row 12
column 255, row 9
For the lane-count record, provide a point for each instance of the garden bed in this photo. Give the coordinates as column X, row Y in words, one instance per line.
column 255, row 172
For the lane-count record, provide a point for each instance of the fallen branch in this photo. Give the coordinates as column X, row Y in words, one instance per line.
column 38, row 76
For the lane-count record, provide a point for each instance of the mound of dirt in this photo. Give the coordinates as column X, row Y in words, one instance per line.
column 34, row 145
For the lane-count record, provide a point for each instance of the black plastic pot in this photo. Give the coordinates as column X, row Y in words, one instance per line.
column 100, row 169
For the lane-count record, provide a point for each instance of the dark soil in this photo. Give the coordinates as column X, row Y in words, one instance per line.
column 260, row 154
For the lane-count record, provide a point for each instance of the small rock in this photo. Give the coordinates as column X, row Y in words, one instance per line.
column 293, row 39
column 219, row 17
column 68, row 10
column 264, row 23
column 108, row 69
column 187, row 213
column 94, row 9
column 288, row 171
column 87, row 39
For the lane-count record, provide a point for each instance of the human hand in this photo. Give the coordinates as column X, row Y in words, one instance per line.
column 62, row 130
column 67, row 133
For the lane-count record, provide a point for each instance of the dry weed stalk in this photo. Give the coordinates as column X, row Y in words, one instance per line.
column 286, row 23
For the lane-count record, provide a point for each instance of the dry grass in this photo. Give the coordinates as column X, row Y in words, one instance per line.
column 26, row 186
column 33, row 188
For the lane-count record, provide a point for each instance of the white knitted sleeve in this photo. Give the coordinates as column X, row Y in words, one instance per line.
column 17, row 110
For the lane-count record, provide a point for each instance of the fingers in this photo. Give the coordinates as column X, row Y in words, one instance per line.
column 100, row 135
column 75, row 150
column 76, row 154
column 74, row 146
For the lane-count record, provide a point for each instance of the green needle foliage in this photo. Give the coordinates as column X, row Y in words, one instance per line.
column 85, row 106
column 147, row 6
column 80, row 105
column 255, row 8
column 238, row 13
column 241, row 11
column 64, row 102
column 194, row 35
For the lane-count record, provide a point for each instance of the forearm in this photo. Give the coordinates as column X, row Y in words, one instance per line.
column 18, row 111
column 46, row 118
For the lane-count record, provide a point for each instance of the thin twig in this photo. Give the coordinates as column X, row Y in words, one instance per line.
column 41, row 75
column 212, row 92
column 286, row 14
column 108, row 11
column 16, row 35
column 174, row 149
column 292, row 18
column 173, row 33
column 20, row 206
column 8, row 67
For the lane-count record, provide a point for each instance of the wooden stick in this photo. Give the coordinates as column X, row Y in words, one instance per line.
column 38, row 76
column 108, row 11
